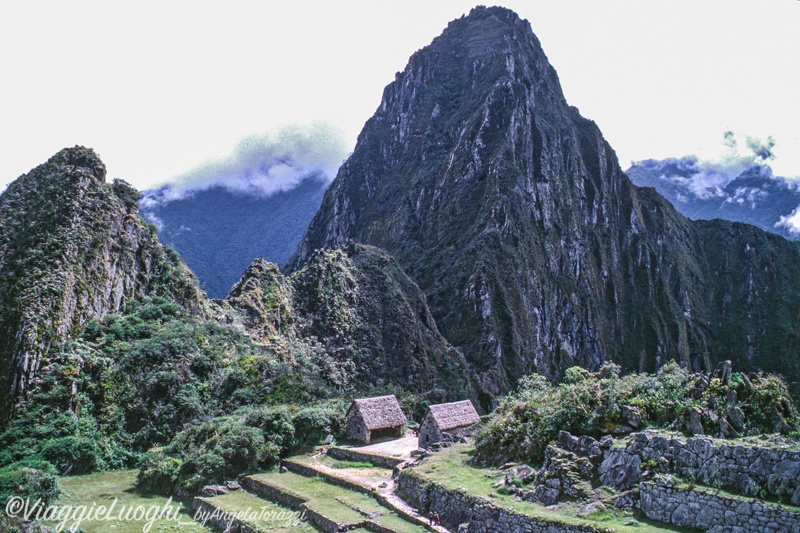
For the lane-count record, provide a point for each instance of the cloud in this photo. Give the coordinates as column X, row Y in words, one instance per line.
column 707, row 179
column 261, row 165
column 791, row 223
column 739, row 185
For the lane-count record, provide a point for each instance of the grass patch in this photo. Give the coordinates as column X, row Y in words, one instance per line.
column 359, row 470
column 351, row 464
column 260, row 514
column 103, row 488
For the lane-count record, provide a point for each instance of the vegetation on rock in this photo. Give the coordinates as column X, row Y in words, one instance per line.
column 606, row 402
column 72, row 249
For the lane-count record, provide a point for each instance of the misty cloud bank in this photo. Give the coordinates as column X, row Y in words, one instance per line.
column 260, row 165
column 740, row 186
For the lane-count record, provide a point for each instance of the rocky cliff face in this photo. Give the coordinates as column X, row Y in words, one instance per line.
column 535, row 251
column 72, row 248
column 353, row 315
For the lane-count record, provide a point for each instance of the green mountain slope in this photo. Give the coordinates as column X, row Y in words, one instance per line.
column 355, row 319
column 535, row 251
column 72, row 248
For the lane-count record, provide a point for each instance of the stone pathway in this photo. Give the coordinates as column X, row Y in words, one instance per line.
column 401, row 506
column 390, row 499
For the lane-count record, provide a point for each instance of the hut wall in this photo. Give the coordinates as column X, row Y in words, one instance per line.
column 356, row 428
column 429, row 432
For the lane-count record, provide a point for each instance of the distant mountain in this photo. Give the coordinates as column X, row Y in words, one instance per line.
column 219, row 231
column 754, row 196
column 535, row 251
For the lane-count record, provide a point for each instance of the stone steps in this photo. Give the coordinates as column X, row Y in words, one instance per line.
column 333, row 506
column 385, row 496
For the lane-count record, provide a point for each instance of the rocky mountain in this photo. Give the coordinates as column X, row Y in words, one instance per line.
column 353, row 315
column 73, row 248
column 219, row 232
column 535, row 251
column 753, row 196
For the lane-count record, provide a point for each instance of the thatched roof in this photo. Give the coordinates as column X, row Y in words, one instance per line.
column 454, row 415
column 379, row 412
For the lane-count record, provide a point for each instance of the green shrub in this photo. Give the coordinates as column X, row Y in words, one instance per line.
column 591, row 404
column 158, row 475
column 73, row 455
column 29, row 479
column 313, row 424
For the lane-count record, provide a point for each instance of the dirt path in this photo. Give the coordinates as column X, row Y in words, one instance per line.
column 385, row 485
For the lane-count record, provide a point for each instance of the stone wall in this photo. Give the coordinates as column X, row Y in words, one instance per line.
column 218, row 518
column 711, row 511
column 356, row 428
column 272, row 493
column 322, row 522
column 429, row 432
column 456, row 507
column 744, row 469
column 348, row 454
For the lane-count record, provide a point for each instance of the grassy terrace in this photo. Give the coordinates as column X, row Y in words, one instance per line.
column 449, row 468
column 336, row 502
column 261, row 514
column 360, row 471
column 103, row 488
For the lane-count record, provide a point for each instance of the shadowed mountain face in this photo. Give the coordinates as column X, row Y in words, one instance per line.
column 220, row 232
column 753, row 196
column 535, row 251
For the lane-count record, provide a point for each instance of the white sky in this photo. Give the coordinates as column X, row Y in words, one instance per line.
column 157, row 88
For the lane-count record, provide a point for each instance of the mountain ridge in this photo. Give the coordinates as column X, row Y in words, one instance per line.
column 72, row 249
column 511, row 212
column 219, row 232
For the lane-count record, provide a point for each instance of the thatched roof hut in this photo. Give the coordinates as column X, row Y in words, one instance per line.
column 445, row 421
column 368, row 418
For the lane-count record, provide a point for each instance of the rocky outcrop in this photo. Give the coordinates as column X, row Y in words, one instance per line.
column 72, row 249
column 352, row 313
column 639, row 469
column 457, row 507
column 535, row 251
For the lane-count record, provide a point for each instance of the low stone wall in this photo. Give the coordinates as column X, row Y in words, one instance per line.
column 456, row 507
column 408, row 517
column 709, row 511
column 328, row 525
column 377, row 528
column 310, row 471
column 218, row 518
column 349, row 454
column 293, row 501
column 271, row 493
column 739, row 468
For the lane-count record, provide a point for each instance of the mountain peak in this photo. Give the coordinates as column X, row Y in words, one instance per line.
column 80, row 158
column 511, row 213
column 72, row 249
